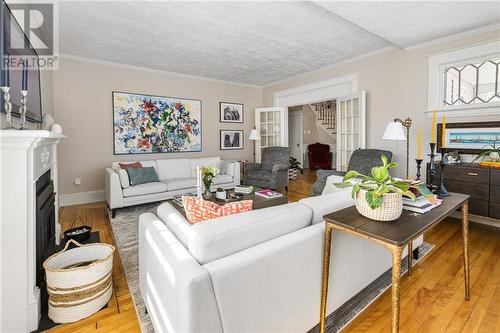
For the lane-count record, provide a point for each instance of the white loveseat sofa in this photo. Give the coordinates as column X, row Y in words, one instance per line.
column 258, row 271
column 177, row 176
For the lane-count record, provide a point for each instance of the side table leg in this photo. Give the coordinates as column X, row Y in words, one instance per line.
column 325, row 277
column 410, row 256
column 465, row 235
column 396, row 278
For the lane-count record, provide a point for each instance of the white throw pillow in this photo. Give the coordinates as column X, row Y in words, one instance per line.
column 123, row 176
column 330, row 184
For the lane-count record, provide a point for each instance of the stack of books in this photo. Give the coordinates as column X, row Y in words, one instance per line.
column 420, row 205
column 268, row 194
column 492, row 164
column 243, row 189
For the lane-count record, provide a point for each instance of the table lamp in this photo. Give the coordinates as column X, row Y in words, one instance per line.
column 254, row 136
column 395, row 131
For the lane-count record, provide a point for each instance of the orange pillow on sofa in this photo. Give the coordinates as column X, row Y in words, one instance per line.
column 130, row 165
column 198, row 210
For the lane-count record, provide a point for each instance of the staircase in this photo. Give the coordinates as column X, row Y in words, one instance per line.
column 325, row 114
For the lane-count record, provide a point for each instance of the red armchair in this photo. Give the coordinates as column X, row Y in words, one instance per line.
column 320, row 156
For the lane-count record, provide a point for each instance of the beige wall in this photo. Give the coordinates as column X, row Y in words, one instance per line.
column 83, row 105
column 396, row 85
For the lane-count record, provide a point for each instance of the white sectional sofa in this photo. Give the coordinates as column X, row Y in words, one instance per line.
column 177, row 176
column 258, row 271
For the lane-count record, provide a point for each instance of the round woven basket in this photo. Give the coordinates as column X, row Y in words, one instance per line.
column 79, row 280
column 391, row 208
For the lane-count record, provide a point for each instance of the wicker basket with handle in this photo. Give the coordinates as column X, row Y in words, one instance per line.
column 391, row 208
column 79, row 280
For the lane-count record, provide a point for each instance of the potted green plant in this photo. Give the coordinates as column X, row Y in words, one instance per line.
column 295, row 168
column 207, row 175
column 378, row 196
column 492, row 151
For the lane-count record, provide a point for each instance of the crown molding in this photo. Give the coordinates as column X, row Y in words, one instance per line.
column 152, row 70
column 464, row 34
column 340, row 63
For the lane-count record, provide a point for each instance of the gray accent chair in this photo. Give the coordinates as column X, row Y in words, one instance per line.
column 362, row 160
column 272, row 172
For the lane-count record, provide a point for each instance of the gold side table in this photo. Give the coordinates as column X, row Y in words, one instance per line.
column 394, row 236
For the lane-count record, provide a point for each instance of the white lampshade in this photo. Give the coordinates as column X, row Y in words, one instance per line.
column 394, row 131
column 254, row 135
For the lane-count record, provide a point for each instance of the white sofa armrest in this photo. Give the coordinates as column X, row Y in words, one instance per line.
column 233, row 170
column 177, row 290
column 114, row 193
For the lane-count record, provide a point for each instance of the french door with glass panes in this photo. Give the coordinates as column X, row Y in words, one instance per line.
column 351, row 127
column 272, row 124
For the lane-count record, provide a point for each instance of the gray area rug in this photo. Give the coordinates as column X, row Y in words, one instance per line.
column 126, row 232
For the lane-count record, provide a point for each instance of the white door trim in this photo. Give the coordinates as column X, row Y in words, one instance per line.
column 301, row 137
column 317, row 91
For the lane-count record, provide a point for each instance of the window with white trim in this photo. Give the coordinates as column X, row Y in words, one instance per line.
column 470, row 83
column 465, row 82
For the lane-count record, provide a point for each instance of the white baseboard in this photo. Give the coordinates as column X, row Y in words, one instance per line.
column 81, row 197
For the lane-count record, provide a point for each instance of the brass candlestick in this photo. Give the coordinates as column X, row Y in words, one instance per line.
column 407, row 124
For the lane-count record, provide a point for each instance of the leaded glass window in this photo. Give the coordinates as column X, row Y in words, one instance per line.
column 472, row 83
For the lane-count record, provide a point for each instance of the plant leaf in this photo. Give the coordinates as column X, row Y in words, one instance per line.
column 343, row 184
column 373, row 200
column 355, row 190
column 409, row 194
column 385, row 160
column 352, row 174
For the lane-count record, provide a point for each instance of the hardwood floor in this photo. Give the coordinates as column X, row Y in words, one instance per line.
column 119, row 315
column 432, row 297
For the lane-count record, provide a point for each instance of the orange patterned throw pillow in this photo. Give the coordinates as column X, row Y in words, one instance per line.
column 198, row 210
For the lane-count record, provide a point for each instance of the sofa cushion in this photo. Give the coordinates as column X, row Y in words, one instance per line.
column 138, row 176
column 204, row 161
column 180, row 183
column 222, row 179
column 175, row 222
column 142, row 189
column 145, row 164
column 222, row 236
column 130, row 165
column 198, row 210
column 328, row 203
column 173, row 168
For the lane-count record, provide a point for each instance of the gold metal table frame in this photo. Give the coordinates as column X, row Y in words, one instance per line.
column 396, row 252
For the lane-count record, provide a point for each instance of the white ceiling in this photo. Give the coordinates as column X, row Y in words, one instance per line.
column 253, row 42
column 407, row 23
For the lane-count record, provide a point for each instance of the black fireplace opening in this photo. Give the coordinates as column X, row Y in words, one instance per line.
column 45, row 232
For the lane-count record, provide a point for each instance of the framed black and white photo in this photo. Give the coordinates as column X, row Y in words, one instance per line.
column 231, row 139
column 230, row 112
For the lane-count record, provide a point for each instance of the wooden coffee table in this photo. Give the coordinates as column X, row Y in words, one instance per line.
column 258, row 201
column 395, row 236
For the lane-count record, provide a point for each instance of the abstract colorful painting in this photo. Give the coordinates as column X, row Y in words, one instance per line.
column 154, row 124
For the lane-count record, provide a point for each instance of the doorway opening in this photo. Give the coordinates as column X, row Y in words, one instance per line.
column 312, row 134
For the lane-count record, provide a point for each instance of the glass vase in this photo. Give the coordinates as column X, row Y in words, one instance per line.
column 206, row 190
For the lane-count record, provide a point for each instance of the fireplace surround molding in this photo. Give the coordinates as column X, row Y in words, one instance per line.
column 25, row 155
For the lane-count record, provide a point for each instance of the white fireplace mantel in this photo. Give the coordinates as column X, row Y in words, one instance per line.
column 25, row 155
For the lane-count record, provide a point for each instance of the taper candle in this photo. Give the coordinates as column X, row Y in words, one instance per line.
column 433, row 130
column 419, row 144
column 24, row 84
column 443, row 133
